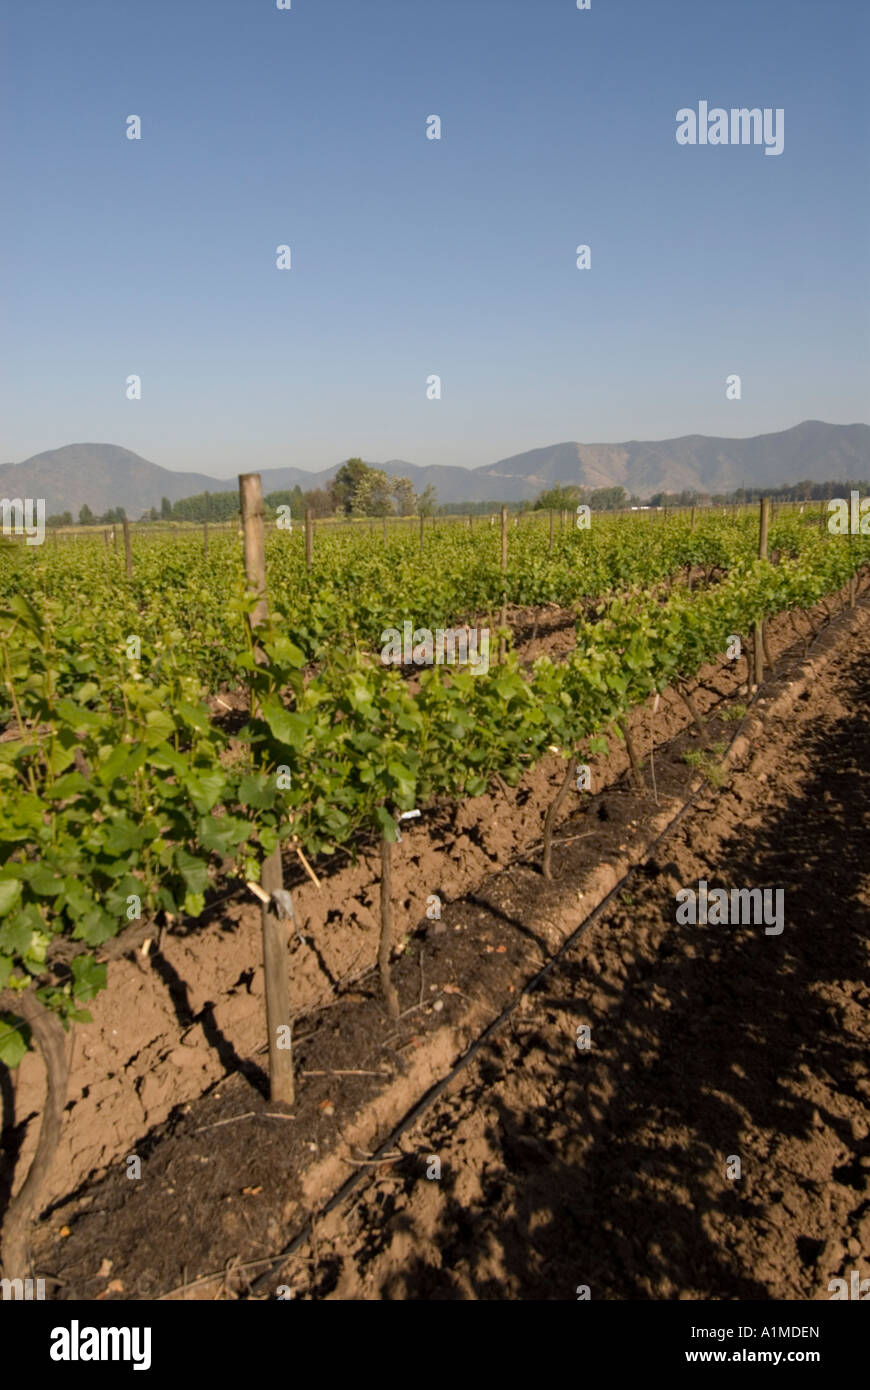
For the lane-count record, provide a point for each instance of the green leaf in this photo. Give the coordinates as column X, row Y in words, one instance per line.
column 66, row 787
column 286, row 726
column 161, row 726
column 387, row 824
column 10, row 895
column 45, row 882
column 405, row 780
column 268, row 838
column 122, row 835
column 16, row 934
column 193, row 871
column 60, row 757
column 196, row 716
column 13, row 1040
column 95, row 927
column 220, row 834
column 78, row 718
column 257, row 792
column 194, row 904
column 205, row 788
column 283, row 650
column 89, row 977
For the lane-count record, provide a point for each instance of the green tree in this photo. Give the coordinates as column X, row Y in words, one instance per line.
column 319, row 500
column 404, row 495
column 165, row 509
column 86, row 516
column 426, row 501
column 373, row 494
column 346, row 483
column 607, row 499
column 559, row 498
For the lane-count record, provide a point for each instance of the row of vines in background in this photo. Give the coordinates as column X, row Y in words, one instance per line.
column 187, row 607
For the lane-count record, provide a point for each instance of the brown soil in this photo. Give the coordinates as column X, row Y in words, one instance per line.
column 558, row 1167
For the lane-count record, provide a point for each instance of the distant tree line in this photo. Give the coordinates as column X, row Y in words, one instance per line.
column 87, row 517
column 566, row 497
column 805, row 491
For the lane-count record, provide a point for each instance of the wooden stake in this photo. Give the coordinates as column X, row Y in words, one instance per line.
column 309, row 538
column 205, row 538
column 763, row 527
column 551, row 528
column 281, row 1088
column 502, row 648
column 391, row 998
column 251, row 501
column 128, row 553
column 422, row 532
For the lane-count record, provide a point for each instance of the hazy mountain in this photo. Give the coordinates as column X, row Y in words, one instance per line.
column 810, row 450
column 105, row 475
column 101, row 475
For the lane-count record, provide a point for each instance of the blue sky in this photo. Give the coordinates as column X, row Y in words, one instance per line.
column 411, row 256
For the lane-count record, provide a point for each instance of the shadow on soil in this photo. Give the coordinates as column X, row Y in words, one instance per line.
column 687, row 1076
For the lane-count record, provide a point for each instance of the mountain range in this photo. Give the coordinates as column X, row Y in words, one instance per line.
column 105, row 475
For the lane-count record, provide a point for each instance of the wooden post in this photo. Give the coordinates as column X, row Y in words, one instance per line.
column 851, row 576
column 105, row 538
column 205, row 538
column 390, row 996
column 115, row 538
column 692, row 524
column 128, row 553
column 551, row 528
column 251, row 501
column 309, row 538
column 281, row 1088
column 422, row 529
column 763, row 527
column 271, row 875
column 502, row 649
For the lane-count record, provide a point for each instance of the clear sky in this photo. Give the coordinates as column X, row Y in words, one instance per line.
column 413, row 256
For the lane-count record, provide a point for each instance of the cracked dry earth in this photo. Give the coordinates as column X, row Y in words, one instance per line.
column 609, row 1167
